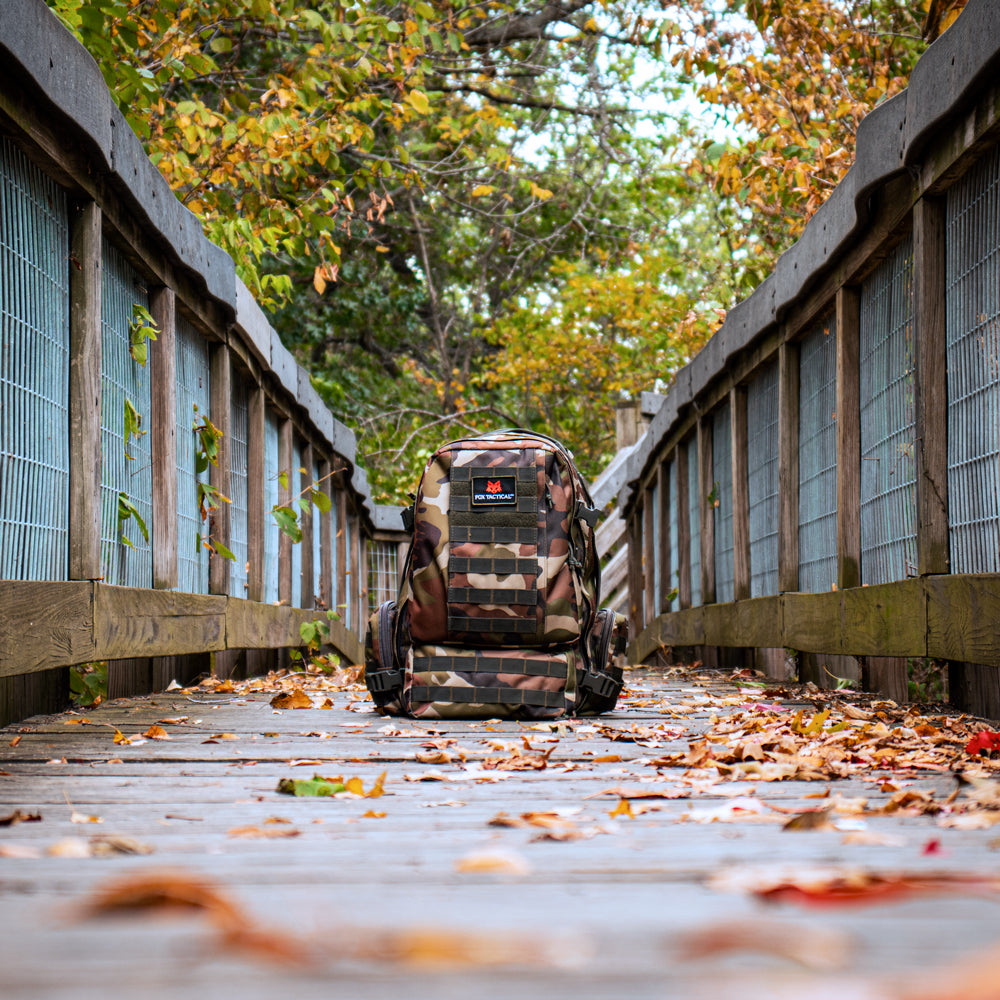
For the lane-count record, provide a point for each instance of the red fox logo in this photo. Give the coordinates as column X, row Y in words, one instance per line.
column 493, row 487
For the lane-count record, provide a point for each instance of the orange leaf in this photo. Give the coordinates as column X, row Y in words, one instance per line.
column 156, row 733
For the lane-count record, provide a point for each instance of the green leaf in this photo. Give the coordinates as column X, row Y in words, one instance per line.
column 322, row 501
column 307, row 630
column 315, row 786
column 223, row 551
column 288, row 523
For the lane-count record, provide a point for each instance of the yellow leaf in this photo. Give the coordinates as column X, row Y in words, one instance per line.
column 319, row 282
column 372, row 814
column 482, row 189
column 121, row 739
column 156, row 733
column 624, row 808
column 355, row 786
column 418, row 101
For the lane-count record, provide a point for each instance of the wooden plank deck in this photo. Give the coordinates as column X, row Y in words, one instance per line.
column 416, row 894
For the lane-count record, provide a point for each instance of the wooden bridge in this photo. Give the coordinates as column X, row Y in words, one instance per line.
column 817, row 496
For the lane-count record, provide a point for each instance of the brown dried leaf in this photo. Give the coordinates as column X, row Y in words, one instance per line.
column 824, row 948
column 493, row 863
column 156, row 733
column 17, row 816
column 297, row 698
column 265, row 832
column 812, row 819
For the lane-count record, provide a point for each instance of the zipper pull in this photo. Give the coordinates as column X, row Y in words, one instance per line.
column 548, row 498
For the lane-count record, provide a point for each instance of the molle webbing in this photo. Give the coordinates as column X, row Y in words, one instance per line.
column 491, row 595
column 498, row 566
column 493, row 507
column 493, row 536
column 492, row 626
column 549, row 666
column 487, row 696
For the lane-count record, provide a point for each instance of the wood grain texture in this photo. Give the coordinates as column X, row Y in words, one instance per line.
column 306, row 517
column 963, row 618
column 285, row 433
column 163, row 437
column 326, row 553
column 85, row 394
column 887, row 620
column 635, row 579
column 129, row 621
column 44, row 625
column 706, row 520
column 848, row 438
column 931, row 387
column 342, row 558
column 256, row 496
column 650, row 550
column 741, row 493
column 788, row 466
column 813, row 622
column 682, row 500
column 220, row 475
column 668, row 571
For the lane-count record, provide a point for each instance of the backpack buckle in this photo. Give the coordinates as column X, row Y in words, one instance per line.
column 600, row 685
column 384, row 681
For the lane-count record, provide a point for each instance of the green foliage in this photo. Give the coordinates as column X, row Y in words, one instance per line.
column 88, row 684
column 131, row 426
column 316, row 786
column 315, row 635
column 127, row 510
column 141, row 330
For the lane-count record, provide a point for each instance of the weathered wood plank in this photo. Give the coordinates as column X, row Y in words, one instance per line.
column 963, row 618
column 887, row 620
column 85, row 395
column 130, row 621
column 45, row 625
column 650, row 549
column 256, row 486
column 848, row 438
column 285, row 433
column 220, row 474
column 706, row 521
column 788, row 466
column 668, row 571
column 306, row 522
column 741, row 492
column 163, row 436
column 813, row 622
column 326, row 547
column 931, row 388
column 682, row 501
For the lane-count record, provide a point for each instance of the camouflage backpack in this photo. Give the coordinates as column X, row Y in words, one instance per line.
column 498, row 607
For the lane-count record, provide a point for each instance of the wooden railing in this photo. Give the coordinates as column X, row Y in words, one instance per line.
column 822, row 479
column 93, row 244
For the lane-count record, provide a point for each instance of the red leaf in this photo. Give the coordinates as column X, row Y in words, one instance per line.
column 984, row 742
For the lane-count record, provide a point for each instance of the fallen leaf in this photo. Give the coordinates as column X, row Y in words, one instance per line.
column 372, row 814
column 328, row 703
column 121, row 739
column 983, row 743
column 824, row 948
column 623, row 808
column 494, row 863
column 69, row 847
column 14, row 742
column 265, row 832
column 76, row 817
column 103, row 845
column 179, row 721
column 17, row 816
column 812, row 819
column 297, row 698
column 315, row 786
column 156, row 733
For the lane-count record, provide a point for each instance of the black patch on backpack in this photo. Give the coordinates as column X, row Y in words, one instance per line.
column 494, row 492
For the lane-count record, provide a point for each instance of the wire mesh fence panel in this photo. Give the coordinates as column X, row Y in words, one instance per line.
column 888, row 481
column 335, row 550
column 383, row 570
column 297, row 481
column 352, row 585
column 973, row 366
column 319, row 526
column 654, row 500
column 762, row 479
column 126, row 471
column 271, row 531
column 818, row 457
column 695, row 507
column 34, row 372
column 193, row 407
column 673, row 543
column 239, row 409
column 722, row 501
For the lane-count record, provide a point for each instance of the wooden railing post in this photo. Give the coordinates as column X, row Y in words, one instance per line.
column 705, row 484
column 163, row 436
column 663, row 546
column 85, row 395
column 285, row 432
column 326, row 569
column 650, row 548
column 931, row 395
column 788, row 467
column 635, row 570
column 848, row 438
column 220, row 476
column 741, row 493
column 306, row 521
column 343, row 556
column 256, row 493
column 683, row 502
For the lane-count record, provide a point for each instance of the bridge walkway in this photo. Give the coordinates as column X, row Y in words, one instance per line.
column 147, row 851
